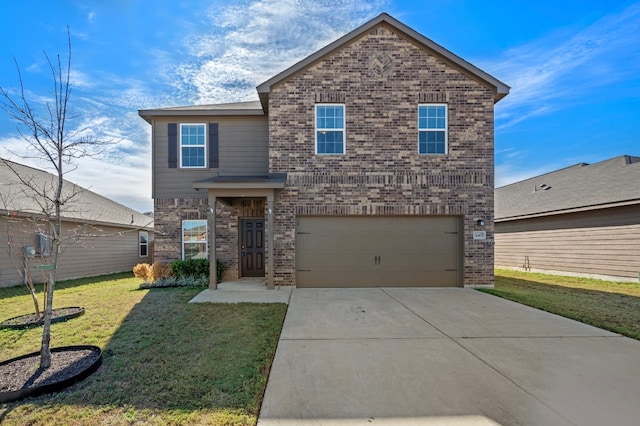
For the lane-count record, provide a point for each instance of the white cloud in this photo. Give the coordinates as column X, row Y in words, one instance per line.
column 243, row 46
column 249, row 43
column 565, row 66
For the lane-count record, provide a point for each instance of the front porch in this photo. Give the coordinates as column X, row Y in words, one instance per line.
column 244, row 290
column 252, row 247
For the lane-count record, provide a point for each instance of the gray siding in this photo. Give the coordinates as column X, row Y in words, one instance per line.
column 243, row 151
column 603, row 242
column 113, row 249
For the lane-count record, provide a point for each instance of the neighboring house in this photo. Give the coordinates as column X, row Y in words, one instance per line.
column 369, row 163
column 583, row 220
column 99, row 235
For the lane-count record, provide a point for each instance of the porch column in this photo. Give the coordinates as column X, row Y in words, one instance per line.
column 211, row 224
column 270, row 246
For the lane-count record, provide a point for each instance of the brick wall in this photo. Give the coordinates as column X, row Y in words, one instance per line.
column 170, row 212
column 381, row 78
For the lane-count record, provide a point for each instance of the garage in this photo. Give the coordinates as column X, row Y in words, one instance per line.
column 388, row 251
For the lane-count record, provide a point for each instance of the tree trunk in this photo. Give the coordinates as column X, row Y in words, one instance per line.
column 45, row 349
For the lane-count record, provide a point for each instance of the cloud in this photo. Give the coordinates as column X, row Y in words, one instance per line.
column 250, row 42
column 243, row 45
column 567, row 66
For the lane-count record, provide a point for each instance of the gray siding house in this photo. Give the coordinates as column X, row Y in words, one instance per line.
column 583, row 220
column 369, row 163
column 100, row 236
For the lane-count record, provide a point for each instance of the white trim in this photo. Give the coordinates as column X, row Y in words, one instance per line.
column 146, row 243
column 206, row 143
column 205, row 241
column 343, row 129
column 445, row 130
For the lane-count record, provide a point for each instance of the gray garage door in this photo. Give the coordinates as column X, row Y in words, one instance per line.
column 394, row 251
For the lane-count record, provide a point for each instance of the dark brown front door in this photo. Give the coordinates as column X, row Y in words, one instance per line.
column 252, row 247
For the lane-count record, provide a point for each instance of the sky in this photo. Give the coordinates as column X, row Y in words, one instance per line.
column 573, row 68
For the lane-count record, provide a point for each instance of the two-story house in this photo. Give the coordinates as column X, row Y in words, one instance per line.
column 369, row 163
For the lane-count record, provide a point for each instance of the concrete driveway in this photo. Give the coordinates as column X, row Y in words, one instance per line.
column 400, row 356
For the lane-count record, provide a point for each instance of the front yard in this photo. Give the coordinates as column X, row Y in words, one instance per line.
column 165, row 361
column 612, row 306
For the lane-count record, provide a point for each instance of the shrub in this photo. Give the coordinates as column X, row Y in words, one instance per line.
column 196, row 268
column 220, row 267
column 193, row 267
column 143, row 271
column 161, row 270
column 184, row 281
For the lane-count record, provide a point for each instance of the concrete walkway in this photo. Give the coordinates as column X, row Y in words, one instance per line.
column 252, row 290
column 444, row 356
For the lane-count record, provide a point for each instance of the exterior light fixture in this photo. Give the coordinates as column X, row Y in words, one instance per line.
column 480, row 222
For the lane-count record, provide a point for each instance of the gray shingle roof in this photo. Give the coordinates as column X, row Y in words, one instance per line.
column 237, row 108
column 580, row 187
column 86, row 207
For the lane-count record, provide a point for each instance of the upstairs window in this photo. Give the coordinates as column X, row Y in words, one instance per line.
column 432, row 129
column 330, row 129
column 192, row 146
column 194, row 239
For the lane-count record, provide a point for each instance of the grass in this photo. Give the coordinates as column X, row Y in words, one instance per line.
column 613, row 306
column 165, row 361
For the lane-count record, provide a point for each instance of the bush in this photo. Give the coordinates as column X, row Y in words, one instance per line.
column 143, row 271
column 196, row 268
column 161, row 270
column 219, row 270
column 184, row 281
column 193, row 267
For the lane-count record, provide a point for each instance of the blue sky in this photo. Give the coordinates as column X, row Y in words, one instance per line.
column 573, row 68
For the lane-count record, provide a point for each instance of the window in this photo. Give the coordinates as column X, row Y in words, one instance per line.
column 192, row 145
column 143, row 243
column 194, row 239
column 432, row 129
column 329, row 129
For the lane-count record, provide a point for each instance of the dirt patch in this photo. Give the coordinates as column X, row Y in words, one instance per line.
column 23, row 376
column 33, row 320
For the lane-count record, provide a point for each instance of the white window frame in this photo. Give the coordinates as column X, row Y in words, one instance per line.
column 435, row 129
column 206, row 236
column 204, row 147
column 343, row 129
column 144, row 244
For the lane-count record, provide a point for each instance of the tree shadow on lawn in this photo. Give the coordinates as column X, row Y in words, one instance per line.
column 169, row 355
column 615, row 312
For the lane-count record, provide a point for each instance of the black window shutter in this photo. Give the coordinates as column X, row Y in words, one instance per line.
column 213, row 146
column 173, row 145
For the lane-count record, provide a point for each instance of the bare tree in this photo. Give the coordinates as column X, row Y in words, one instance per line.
column 48, row 133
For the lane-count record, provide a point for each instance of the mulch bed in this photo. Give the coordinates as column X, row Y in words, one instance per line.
column 33, row 320
column 68, row 365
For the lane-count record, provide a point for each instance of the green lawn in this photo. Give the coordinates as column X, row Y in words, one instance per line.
column 165, row 361
column 613, row 306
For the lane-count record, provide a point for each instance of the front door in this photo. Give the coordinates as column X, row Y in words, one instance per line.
column 252, row 247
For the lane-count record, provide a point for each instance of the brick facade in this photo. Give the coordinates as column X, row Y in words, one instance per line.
column 381, row 78
column 170, row 212
column 381, row 73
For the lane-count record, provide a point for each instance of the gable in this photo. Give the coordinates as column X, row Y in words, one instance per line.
column 387, row 60
column 498, row 89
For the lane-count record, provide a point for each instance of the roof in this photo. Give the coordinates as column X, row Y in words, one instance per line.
column 609, row 183
column 500, row 89
column 237, row 108
column 86, row 207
